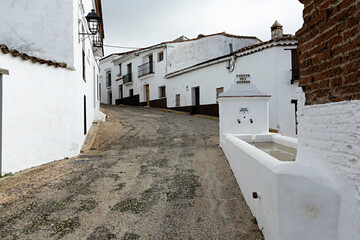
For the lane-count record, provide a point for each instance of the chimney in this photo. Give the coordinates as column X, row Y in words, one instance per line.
column 276, row 30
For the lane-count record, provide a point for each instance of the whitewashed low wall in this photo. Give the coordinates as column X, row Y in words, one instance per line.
column 329, row 140
column 296, row 202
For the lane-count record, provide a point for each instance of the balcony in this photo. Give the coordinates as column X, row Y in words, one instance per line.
column 145, row 69
column 295, row 75
column 127, row 78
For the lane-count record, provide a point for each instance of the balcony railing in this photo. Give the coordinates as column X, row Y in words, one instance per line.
column 295, row 75
column 145, row 69
column 127, row 78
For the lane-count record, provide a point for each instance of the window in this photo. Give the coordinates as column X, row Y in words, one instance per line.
column 295, row 66
column 131, row 92
column 162, row 92
column 160, row 56
column 147, row 67
column 177, row 100
column 219, row 91
column 119, row 74
column 128, row 76
column 108, row 79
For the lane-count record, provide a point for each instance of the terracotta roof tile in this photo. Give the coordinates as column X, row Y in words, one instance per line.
column 25, row 57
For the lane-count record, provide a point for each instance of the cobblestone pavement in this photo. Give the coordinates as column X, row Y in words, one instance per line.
column 150, row 174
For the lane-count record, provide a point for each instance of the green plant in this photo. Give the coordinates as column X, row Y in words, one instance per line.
column 7, row 174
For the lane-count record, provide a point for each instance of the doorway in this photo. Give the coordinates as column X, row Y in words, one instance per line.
column 110, row 98
column 195, row 100
column 147, row 95
column 120, row 91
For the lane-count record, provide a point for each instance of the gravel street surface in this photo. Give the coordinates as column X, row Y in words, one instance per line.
column 150, row 174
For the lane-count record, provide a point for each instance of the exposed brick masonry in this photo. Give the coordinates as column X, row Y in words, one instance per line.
column 329, row 50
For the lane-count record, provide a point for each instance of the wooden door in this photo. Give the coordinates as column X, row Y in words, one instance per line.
column 147, row 95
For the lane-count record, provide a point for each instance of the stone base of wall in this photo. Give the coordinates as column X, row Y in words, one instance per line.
column 132, row 101
column 158, row 103
column 209, row 109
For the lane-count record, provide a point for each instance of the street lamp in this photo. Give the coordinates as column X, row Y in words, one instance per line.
column 94, row 22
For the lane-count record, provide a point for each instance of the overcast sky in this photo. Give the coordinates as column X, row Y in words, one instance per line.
column 142, row 23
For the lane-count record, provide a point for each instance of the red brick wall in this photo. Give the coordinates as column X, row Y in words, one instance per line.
column 329, row 50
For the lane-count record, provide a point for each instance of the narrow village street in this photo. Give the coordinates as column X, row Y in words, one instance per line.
column 150, row 174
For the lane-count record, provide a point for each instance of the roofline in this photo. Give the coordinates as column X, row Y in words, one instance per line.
column 239, row 53
column 139, row 51
column 187, row 40
column 214, row 34
column 110, row 55
column 15, row 53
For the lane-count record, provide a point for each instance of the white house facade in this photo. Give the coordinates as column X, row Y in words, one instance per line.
column 138, row 77
column 273, row 66
column 49, row 77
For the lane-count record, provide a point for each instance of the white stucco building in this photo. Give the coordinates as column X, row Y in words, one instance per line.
column 138, row 77
column 49, row 80
column 273, row 66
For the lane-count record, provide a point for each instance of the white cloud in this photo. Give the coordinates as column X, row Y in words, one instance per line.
column 141, row 23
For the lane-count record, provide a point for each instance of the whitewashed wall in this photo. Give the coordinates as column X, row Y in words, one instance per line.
column 40, row 28
column 329, row 137
column 155, row 80
column 295, row 201
column 105, row 66
column 270, row 71
column 185, row 54
column 208, row 79
column 42, row 114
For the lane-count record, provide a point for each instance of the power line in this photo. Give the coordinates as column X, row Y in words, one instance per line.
column 112, row 46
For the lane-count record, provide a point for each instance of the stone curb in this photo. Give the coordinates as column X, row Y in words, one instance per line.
column 93, row 136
